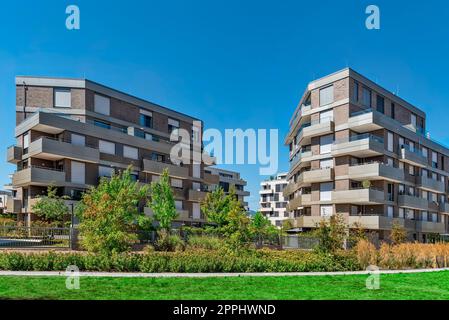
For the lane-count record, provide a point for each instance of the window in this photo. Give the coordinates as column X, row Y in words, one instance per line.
column 130, row 152
column 102, row 105
column 390, row 188
column 172, row 125
column 176, row 183
column 434, row 176
column 390, row 146
column 424, row 152
column 326, row 144
column 62, row 98
column 102, row 124
column 78, row 140
column 410, row 214
column 26, row 142
column 390, row 162
column 107, row 147
column 401, row 142
column 104, row 171
column 178, row 205
column 413, row 120
column 326, row 211
column 366, row 97
column 326, row 96
column 390, row 211
column 380, row 104
column 326, row 191
column 326, row 163
column 393, row 110
column 196, row 212
column 78, row 172
column 157, row 157
column 401, row 213
column 401, row 189
column 434, row 217
column 424, row 195
column 425, row 173
column 411, row 146
column 326, row 116
column 411, row 170
column 196, row 170
column 355, row 93
column 434, row 160
column 424, row 216
column 146, row 118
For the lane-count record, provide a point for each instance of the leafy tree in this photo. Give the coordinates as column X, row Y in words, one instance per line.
column 398, row 234
column 51, row 207
column 215, row 207
column 261, row 228
column 162, row 202
column 109, row 214
column 332, row 234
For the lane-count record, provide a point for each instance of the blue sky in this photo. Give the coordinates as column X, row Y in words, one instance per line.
column 234, row 64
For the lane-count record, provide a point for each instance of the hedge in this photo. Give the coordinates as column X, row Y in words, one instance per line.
column 186, row 261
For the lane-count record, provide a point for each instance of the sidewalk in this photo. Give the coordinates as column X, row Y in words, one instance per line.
column 207, row 275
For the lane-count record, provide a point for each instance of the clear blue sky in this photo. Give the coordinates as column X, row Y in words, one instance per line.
column 234, row 64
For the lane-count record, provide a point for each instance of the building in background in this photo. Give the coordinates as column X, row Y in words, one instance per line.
column 272, row 202
column 71, row 132
column 228, row 179
column 359, row 150
column 4, row 200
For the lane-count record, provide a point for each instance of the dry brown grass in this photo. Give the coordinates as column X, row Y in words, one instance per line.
column 404, row 255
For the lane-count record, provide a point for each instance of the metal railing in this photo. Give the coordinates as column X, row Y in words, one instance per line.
column 360, row 137
column 34, row 237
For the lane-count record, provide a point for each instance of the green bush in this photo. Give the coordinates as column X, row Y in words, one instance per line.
column 199, row 260
column 205, row 242
column 169, row 242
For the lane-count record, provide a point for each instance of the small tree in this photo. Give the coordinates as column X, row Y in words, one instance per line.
column 215, row 207
column 398, row 234
column 332, row 234
column 51, row 207
column 164, row 209
column 109, row 214
column 261, row 228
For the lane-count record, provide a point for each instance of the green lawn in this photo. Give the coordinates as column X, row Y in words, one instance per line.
column 399, row 286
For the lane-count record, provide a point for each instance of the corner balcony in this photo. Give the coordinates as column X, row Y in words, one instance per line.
column 358, row 196
column 308, row 221
column 430, row 184
column 157, row 167
column 364, row 145
column 299, row 201
column 416, row 203
column 300, row 160
column 14, row 154
column 291, row 188
column 315, row 128
column 211, row 178
column 376, row 222
column 375, row 171
column 365, row 121
column 317, row 175
column 38, row 176
column 53, row 149
column 412, row 157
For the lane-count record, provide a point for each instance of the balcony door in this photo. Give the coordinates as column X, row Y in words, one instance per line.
column 326, row 191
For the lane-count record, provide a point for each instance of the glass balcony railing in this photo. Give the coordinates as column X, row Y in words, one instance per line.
column 360, row 137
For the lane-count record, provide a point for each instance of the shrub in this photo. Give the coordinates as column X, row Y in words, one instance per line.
column 168, row 242
column 366, row 253
column 205, row 242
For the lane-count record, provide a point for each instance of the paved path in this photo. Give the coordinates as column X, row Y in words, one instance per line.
column 207, row 275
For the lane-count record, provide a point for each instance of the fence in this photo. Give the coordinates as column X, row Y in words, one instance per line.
column 297, row 242
column 34, row 238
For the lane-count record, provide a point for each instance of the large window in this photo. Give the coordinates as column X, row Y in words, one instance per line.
column 63, row 98
column 172, row 125
column 176, row 183
column 146, row 118
column 326, row 191
column 104, row 171
column 326, row 144
column 366, row 97
column 326, row 96
column 355, row 93
column 380, row 104
column 157, row 157
column 78, row 172
column 390, row 146
column 130, row 152
column 78, row 140
column 107, row 147
column 102, row 105
column 102, row 124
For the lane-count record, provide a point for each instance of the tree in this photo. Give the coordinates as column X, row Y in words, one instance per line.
column 109, row 214
column 215, row 207
column 398, row 233
column 332, row 234
column 261, row 228
column 51, row 207
column 162, row 202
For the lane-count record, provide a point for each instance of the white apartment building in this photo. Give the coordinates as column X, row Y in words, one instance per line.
column 272, row 202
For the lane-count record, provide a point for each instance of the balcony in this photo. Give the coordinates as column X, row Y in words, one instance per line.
column 416, row 203
column 375, row 222
column 13, row 205
column 290, row 189
column 318, row 175
column 183, row 215
column 266, row 191
column 196, row 195
column 38, row 176
column 211, row 178
column 365, row 145
column 359, row 196
column 299, row 160
column 157, row 167
column 430, row 227
column 429, row 184
column 365, row 121
column 443, row 207
column 375, row 171
column 412, row 157
column 308, row 221
column 14, row 154
column 299, row 201
column 53, row 149
column 315, row 129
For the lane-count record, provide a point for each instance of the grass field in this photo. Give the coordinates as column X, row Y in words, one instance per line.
column 392, row 286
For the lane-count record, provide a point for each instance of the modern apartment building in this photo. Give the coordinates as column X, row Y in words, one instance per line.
column 71, row 132
column 361, row 151
column 272, row 202
column 4, row 200
column 230, row 179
